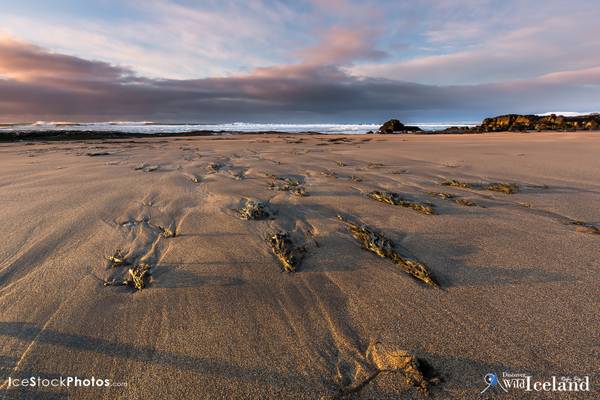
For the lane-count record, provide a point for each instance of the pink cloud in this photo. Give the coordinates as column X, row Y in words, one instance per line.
column 587, row 76
column 340, row 45
column 25, row 62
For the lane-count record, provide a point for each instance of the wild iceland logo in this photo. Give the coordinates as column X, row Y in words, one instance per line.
column 492, row 381
column 525, row 382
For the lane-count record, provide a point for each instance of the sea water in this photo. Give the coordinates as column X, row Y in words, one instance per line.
column 152, row 127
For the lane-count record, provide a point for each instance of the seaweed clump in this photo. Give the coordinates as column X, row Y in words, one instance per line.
column 377, row 243
column 166, row 232
column 329, row 174
column 459, row 184
column 117, row 259
column 299, row 191
column 465, row 202
column 397, row 200
column 396, row 360
column 442, row 195
column 254, row 210
column 288, row 255
column 380, row 358
column 339, row 140
column 215, row 167
column 288, row 184
column 507, row 188
column 374, row 165
column 451, row 196
column 136, row 277
column 586, row 227
column 238, row 175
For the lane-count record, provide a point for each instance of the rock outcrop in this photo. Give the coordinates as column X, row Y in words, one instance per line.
column 391, row 126
column 395, row 126
column 553, row 122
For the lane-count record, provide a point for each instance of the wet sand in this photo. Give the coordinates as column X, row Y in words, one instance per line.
column 518, row 273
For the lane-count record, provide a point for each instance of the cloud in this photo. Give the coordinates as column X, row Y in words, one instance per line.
column 26, row 62
column 340, row 45
column 40, row 84
column 186, row 40
column 586, row 76
column 470, row 42
column 161, row 38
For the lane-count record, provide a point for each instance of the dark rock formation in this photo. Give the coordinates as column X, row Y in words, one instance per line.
column 395, row 126
column 515, row 122
column 460, row 130
column 391, row 126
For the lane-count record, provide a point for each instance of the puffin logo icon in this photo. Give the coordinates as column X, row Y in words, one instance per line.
column 491, row 380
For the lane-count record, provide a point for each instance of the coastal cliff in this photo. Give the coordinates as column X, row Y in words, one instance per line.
column 507, row 123
column 553, row 122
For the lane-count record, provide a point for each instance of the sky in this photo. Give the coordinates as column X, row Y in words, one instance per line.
column 304, row 61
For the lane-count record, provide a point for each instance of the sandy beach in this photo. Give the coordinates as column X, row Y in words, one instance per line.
column 218, row 318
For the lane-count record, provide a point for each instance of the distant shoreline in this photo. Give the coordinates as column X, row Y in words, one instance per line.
column 157, row 128
column 502, row 123
column 57, row 135
column 17, row 136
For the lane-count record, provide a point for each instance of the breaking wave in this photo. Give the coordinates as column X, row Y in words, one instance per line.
column 149, row 127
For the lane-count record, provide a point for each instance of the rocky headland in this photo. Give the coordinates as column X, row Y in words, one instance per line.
column 506, row 123
column 522, row 123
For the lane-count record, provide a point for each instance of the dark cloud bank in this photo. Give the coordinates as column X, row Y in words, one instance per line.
column 36, row 84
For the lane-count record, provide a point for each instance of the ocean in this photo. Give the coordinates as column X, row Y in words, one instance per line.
column 152, row 127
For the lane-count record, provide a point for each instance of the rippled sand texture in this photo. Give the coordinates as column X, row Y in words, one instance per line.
column 218, row 317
